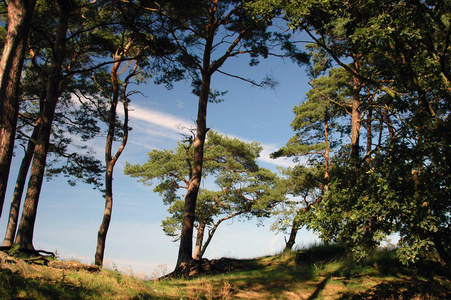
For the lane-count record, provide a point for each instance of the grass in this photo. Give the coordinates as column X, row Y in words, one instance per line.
column 319, row 272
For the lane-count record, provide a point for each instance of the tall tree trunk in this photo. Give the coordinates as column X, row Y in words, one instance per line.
column 207, row 70
column 24, row 236
column 18, row 190
column 186, row 237
column 111, row 160
column 11, row 63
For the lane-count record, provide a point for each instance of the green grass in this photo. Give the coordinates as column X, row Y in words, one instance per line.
column 319, row 272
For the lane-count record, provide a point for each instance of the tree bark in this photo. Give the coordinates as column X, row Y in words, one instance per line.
column 24, row 236
column 355, row 122
column 18, row 190
column 292, row 239
column 11, row 63
column 103, row 230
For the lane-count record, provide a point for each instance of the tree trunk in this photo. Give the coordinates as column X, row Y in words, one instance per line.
column 11, row 63
column 197, row 255
column 18, row 190
column 212, row 231
column 186, row 237
column 103, row 230
column 355, row 115
column 26, row 227
column 326, row 153
column 292, row 239
column 369, row 134
column 109, row 158
column 355, row 124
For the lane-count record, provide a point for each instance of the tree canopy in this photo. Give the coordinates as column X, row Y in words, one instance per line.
column 239, row 188
column 400, row 63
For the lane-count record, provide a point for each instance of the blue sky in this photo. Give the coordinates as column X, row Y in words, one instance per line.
column 69, row 217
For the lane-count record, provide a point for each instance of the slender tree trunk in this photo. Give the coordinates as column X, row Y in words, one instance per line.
column 24, row 236
column 389, row 124
column 197, row 255
column 11, row 63
column 212, row 231
column 326, row 153
column 292, row 239
column 18, row 190
column 103, row 230
column 369, row 134
column 355, row 125
column 109, row 158
column 355, row 115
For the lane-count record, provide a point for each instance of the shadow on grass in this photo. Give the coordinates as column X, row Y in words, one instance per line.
column 426, row 279
column 320, row 287
column 404, row 289
column 284, row 276
column 379, row 276
column 15, row 286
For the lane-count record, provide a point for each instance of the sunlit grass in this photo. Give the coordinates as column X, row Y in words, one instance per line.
column 317, row 272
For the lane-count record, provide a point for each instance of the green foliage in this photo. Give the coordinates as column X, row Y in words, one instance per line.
column 390, row 196
column 401, row 57
column 241, row 187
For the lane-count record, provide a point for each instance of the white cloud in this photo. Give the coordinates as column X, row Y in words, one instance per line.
column 159, row 119
column 157, row 123
column 265, row 157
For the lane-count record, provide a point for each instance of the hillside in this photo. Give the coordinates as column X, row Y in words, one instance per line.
column 315, row 273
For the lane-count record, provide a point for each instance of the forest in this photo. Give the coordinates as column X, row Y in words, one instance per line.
column 371, row 143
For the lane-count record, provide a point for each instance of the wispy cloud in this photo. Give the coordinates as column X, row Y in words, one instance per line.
column 167, row 121
column 265, row 157
column 157, row 123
